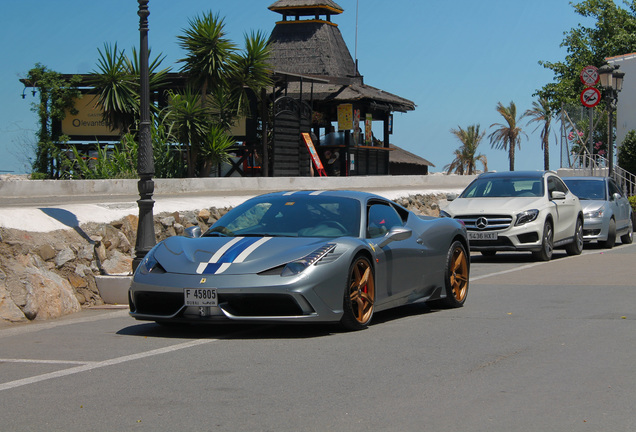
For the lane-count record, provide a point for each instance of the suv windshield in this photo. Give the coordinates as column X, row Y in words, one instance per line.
column 587, row 189
column 500, row 187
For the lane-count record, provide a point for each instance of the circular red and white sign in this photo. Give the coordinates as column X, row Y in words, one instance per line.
column 590, row 97
column 590, row 76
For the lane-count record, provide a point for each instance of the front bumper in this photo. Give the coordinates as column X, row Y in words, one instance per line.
column 273, row 298
column 595, row 229
column 526, row 237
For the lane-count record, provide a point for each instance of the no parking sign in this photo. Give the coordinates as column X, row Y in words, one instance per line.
column 590, row 97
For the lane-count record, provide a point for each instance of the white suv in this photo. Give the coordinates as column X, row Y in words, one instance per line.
column 520, row 211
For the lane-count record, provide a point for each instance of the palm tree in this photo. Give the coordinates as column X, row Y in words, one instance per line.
column 116, row 82
column 207, row 52
column 189, row 123
column 508, row 136
column 465, row 156
column 249, row 70
column 227, row 79
column 214, row 148
column 117, row 88
column 542, row 113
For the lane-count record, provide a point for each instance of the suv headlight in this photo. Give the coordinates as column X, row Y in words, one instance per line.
column 526, row 216
column 442, row 213
column 598, row 213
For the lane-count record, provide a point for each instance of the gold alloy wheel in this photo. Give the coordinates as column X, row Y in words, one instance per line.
column 362, row 291
column 459, row 274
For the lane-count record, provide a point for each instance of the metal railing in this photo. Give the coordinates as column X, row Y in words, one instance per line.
column 597, row 165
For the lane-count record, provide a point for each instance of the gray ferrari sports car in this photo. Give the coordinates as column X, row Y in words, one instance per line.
column 307, row 256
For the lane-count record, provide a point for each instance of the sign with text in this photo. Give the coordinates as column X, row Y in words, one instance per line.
column 345, row 117
column 88, row 121
column 368, row 130
column 590, row 76
column 314, row 156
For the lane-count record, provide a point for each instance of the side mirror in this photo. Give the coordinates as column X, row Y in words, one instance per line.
column 451, row 196
column 616, row 196
column 192, row 232
column 558, row 195
column 395, row 234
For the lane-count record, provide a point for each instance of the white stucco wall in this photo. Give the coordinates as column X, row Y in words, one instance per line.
column 626, row 108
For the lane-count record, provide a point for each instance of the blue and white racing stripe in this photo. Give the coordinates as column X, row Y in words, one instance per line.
column 234, row 251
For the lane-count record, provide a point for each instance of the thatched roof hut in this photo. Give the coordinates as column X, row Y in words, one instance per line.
column 402, row 162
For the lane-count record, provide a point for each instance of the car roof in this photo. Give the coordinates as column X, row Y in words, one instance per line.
column 358, row 195
column 515, row 174
column 588, row 178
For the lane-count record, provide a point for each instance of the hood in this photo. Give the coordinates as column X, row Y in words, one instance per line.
column 507, row 205
column 592, row 205
column 231, row 255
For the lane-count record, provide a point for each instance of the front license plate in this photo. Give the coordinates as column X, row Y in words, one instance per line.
column 200, row 297
column 482, row 235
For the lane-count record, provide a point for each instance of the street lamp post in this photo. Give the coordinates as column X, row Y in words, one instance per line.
column 611, row 78
column 145, row 164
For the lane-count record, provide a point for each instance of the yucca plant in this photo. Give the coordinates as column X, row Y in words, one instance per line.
column 214, row 149
column 207, row 52
column 117, row 88
column 189, row 123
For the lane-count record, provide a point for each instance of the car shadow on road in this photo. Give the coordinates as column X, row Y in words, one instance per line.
column 232, row 331
column 511, row 257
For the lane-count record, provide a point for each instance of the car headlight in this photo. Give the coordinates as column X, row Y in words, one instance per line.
column 442, row 213
column 295, row 267
column 150, row 264
column 598, row 213
column 526, row 216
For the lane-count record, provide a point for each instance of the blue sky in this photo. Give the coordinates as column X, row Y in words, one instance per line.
column 454, row 59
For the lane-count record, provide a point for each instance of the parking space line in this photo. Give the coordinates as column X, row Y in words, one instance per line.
column 85, row 367
column 44, row 325
column 534, row 264
column 33, row 361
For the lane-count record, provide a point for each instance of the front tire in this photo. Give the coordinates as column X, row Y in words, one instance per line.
column 456, row 276
column 359, row 295
column 611, row 236
column 547, row 244
column 576, row 247
column 628, row 238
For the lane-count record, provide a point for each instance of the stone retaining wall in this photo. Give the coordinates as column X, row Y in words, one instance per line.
column 47, row 275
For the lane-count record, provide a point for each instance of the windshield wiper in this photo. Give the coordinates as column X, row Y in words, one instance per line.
column 215, row 234
column 266, row 235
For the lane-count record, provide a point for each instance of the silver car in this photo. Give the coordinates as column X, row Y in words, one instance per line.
column 519, row 211
column 305, row 256
column 607, row 212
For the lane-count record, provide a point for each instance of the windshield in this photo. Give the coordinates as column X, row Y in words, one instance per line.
column 291, row 216
column 587, row 189
column 499, row 187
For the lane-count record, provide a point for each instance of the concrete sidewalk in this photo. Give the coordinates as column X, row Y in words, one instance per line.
column 48, row 205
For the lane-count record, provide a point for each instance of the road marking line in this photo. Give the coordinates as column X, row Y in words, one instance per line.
column 7, row 360
column 101, row 364
column 534, row 264
column 42, row 325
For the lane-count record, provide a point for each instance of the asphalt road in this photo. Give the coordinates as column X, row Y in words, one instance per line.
column 537, row 347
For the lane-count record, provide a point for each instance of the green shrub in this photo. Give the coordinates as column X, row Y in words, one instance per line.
column 632, row 201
